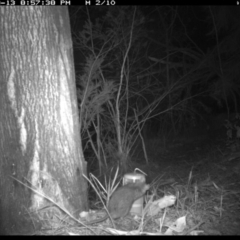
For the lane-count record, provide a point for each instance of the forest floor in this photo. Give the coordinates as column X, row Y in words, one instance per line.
column 206, row 169
column 201, row 170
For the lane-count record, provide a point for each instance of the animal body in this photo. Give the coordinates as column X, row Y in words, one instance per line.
column 122, row 199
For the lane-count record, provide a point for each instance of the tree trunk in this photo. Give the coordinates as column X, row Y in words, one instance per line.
column 41, row 163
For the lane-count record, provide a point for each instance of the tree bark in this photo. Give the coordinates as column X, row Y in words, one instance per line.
column 41, row 163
